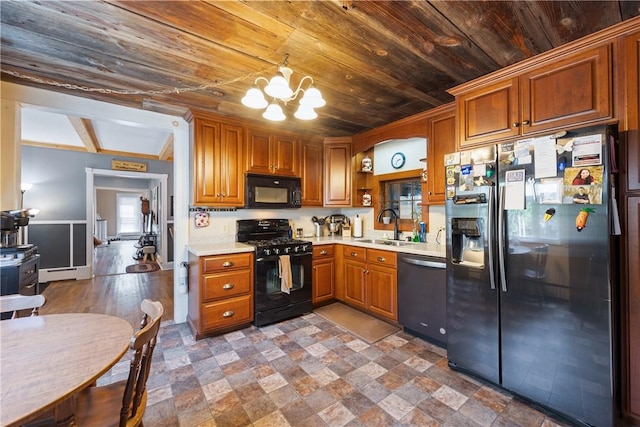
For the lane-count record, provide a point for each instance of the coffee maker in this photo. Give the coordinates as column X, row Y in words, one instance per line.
column 10, row 227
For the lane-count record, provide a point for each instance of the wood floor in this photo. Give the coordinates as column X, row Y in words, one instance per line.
column 112, row 291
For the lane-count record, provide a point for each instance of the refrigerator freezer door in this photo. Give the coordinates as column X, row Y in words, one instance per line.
column 472, row 301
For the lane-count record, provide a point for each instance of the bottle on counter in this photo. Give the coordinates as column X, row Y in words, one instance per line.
column 423, row 232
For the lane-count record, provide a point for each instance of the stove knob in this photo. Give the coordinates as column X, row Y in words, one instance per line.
column 287, row 249
column 276, row 251
column 296, row 249
column 267, row 252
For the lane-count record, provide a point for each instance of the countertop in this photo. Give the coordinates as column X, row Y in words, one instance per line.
column 218, row 248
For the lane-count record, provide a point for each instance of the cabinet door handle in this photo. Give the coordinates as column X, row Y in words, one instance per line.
column 515, row 124
column 228, row 286
column 525, row 122
column 381, row 259
column 323, row 252
column 228, row 313
column 354, row 253
column 228, row 264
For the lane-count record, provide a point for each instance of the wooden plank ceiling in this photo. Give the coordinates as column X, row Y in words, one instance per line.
column 373, row 61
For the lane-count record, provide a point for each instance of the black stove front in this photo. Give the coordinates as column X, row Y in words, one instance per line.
column 275, row 254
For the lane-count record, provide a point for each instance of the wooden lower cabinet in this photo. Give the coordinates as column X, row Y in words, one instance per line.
column 370, row 281
column 220, row 296
column 323, row 274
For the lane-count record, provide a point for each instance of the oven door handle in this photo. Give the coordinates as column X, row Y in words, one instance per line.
column 275, row 257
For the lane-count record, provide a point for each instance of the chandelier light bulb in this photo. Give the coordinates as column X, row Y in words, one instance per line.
column 312, row 98
column 25, row 186
column 278, row 87
column 305, row 112
column 274, row 113
column 254, row 99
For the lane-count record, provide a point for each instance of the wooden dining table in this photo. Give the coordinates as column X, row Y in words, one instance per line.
column 46, row 360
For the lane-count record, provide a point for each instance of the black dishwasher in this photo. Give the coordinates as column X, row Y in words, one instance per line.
column 422, row 297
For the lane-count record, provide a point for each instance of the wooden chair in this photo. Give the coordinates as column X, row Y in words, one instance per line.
column 16, row 302
column 123, row 403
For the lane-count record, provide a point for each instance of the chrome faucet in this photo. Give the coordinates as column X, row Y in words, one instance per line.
column 396, row 235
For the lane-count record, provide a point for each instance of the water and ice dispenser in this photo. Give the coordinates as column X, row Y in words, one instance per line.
column 467, row 242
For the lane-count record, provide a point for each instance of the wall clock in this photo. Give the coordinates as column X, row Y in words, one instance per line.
column 397, row 160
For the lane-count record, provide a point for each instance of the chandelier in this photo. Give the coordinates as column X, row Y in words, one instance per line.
column 278, row 89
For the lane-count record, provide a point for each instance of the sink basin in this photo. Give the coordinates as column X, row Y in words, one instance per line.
column 385, row 242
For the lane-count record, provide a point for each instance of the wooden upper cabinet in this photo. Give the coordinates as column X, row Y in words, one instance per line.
column 311, row 170
column 337, row 172
column 487, row 114
column 631, row 154
column 271, row 154
column 441, row 140
column 574, row 88
column 218, row 163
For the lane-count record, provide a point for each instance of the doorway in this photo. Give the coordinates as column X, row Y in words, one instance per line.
column 139, row 183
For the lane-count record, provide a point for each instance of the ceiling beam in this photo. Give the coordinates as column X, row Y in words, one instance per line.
column 85, row 131
column 166, row 153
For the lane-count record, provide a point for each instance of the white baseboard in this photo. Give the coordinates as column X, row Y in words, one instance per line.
column 71, row 273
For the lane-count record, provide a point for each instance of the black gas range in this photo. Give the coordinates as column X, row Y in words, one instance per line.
column 274, row 248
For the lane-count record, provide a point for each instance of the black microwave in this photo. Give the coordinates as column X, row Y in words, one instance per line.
column 273, row 192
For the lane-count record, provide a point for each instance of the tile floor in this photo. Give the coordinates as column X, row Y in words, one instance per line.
column 309, row 372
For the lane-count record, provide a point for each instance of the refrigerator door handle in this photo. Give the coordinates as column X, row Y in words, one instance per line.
column 500, row 243
column 490, row 232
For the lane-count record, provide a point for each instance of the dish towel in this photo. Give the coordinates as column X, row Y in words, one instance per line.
column 284, row 268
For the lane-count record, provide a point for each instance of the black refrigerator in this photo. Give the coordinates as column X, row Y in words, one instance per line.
column 531, row 269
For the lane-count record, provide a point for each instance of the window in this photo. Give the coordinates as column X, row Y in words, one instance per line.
column 403, row 196
column 129, row 213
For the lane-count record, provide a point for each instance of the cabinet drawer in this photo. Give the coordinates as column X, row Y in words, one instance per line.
column 324, row 251
column 226, row 262
column 228, row 312
column 384, row 258
column 227, row 284
column 355, row 253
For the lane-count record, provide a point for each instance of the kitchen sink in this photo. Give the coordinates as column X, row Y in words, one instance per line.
column 386, row 242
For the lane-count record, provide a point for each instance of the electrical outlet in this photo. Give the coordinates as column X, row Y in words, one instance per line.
column 225, row 228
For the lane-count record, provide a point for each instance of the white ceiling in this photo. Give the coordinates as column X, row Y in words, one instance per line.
column 56, row 130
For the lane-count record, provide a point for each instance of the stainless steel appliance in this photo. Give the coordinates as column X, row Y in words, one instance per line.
column 529, row 292
column 422, row 297
column 273, row 192
column 273, row 246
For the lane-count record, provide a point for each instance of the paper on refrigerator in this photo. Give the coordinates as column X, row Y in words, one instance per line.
column 514, row 189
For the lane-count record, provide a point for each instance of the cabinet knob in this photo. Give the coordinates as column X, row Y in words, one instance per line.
column 381, row 259
column 515, row 124
column 228, row 286
column 354, row 253
column 525, row 122
column 228, row 313
column 323, row 252
column 228, row 264
column 224, row 194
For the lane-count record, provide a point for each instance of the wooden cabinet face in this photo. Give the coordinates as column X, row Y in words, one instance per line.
column 354, row 283
column 631, row 351
column 574, row 90
column 382, row 291
column 632, row 146
column 488, row 113
column 285, row 156
column 206, row 153
column 441, row 140
column 323, row 274
column 311, row 174
column 259, row 152
column 232, row 156
column 337, row 174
